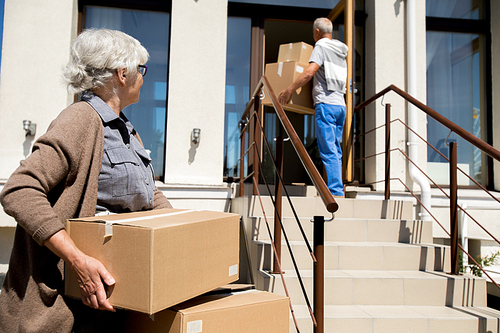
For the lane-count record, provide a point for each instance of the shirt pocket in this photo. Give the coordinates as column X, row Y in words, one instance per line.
column 125, row 172
column 143, row 154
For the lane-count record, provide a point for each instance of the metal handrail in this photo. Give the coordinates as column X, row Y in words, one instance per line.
column 485, row 147
column 331, row 205
column 318, row 182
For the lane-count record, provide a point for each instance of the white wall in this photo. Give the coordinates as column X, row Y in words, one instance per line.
column 385, row 57
column 196, row 92
column 36, row 39
column 37, row 35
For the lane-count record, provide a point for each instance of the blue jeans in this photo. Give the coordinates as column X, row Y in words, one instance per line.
column 329, row 126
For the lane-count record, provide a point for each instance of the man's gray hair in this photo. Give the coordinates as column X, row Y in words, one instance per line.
column 97, row 53
column 324, row 25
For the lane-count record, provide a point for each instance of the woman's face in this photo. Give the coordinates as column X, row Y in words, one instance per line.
column 134, row 86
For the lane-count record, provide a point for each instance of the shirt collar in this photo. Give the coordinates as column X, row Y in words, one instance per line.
column 107, row 114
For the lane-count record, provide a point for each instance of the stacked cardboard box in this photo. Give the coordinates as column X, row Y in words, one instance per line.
column 293, row 59
column 299, row 52
column 229, row 312
column 162, row 258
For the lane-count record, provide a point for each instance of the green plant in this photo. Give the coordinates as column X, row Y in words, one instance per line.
column 484, row 262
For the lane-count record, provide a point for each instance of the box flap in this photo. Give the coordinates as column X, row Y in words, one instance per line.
column 220, row 301
column 153, row 219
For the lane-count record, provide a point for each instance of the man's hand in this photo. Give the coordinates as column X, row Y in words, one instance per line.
column 304, row 77
column 284, row 96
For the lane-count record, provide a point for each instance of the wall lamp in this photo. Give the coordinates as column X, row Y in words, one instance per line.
column 195, row 135
column 29, row 127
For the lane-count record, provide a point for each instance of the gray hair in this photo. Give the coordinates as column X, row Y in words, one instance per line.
column 97, row 53
column 324, row 25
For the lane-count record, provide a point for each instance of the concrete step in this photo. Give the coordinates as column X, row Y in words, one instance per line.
column 361, row 256
column 397, row 319
column 350, row 229
column 307, row 207
column 356, row 287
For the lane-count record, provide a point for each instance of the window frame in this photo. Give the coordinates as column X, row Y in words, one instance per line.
column 146, row 5
column 479, row 27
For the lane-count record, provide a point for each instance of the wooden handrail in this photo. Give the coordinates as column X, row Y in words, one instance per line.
column 325, row 194
column 485, row 147
column 319, row 183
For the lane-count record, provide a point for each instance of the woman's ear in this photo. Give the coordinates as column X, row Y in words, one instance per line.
column 122, row 76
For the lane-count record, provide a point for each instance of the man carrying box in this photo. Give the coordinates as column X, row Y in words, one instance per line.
column 328, row 67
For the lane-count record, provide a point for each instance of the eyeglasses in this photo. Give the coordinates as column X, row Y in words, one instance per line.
column 143, row 69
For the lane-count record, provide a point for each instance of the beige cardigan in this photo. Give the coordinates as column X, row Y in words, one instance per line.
column 56, row 182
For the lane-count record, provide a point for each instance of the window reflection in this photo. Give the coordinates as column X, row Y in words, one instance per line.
column 454, row 90
column 237, row 89
column 149, row 114
column 460, row 9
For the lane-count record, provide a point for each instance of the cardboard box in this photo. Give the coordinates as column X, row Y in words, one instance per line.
column 235, row 312
column 159, row 258
column 298, row 52
column 281, row 75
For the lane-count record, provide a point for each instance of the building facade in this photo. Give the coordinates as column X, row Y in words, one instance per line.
column 207, row 56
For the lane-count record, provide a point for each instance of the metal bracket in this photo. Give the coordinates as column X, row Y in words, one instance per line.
column 446, row 141
column 330, row 220
column 352, row 85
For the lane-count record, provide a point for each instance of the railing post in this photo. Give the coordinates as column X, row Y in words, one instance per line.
column 453, row 208
column 242, row 158
column 278, row 193
column 319, row 273
column 387, row 151
column 256, row 138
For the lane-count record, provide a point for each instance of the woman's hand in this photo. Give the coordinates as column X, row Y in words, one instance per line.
column 92, row 279
column 90, row 272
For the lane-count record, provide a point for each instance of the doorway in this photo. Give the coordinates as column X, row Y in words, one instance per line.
column 277, row 32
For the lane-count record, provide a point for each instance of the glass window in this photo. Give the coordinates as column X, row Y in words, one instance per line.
column 324, row 4
column 237, row 88
column 454, row 89
column 460, row 9
column 152, row 29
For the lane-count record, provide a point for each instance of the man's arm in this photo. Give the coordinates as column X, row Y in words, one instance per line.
column 303, row 78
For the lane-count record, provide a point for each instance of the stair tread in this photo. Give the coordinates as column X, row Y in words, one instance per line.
column 400, row 312
column 270, row 216
column 354, row 244
column 379, row 274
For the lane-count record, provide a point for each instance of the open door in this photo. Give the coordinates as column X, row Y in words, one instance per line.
column 346, row 7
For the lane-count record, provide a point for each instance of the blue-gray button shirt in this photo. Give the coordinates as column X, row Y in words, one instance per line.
column 126, row 181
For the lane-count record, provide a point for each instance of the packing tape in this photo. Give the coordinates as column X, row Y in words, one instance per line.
column 280, row 68
column 304, row 46
column 108, row 227
column 299, row 69
column 195, row 326
column 290, row 46
column 233, row 270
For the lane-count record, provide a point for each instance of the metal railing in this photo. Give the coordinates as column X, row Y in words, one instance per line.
column 251, row 122
column 454, row 207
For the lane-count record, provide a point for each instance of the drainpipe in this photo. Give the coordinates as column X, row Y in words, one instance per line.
column 411, row 51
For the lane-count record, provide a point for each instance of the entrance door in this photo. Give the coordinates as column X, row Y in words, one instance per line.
column 279, row 32
column 346, row 8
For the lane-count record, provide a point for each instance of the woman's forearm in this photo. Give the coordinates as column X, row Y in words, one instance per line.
column 90, row 272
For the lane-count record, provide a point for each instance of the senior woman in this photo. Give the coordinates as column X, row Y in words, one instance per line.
column 91, row 160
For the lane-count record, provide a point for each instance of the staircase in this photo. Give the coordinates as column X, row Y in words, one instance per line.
column 382, row 271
